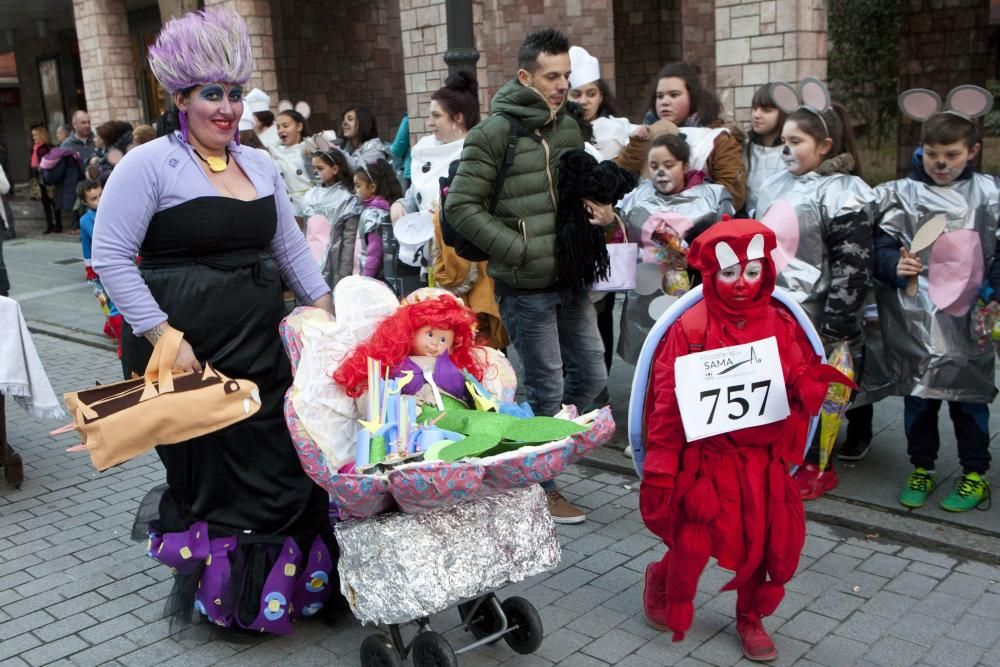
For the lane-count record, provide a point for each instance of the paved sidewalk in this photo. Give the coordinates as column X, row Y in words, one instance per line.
column 74, row 590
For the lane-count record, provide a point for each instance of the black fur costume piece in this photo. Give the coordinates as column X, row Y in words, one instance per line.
column 581, row 252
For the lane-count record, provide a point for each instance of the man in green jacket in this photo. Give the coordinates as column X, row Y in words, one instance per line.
column 556, row 337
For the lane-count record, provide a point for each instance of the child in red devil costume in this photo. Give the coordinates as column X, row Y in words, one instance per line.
column 729, row 496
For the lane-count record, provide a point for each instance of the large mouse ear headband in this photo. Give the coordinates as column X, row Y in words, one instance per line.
column 302, row 107
column 812, row 96
column 966, row 101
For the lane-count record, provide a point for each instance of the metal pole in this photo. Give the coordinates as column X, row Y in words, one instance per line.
column 461, row 53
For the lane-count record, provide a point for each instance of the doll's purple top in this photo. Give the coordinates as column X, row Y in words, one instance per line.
column 162, row 174
column 447, row 376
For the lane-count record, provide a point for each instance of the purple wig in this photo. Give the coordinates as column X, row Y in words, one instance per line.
column 208, row 46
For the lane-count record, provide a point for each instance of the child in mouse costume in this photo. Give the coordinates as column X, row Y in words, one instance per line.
column 730, row 495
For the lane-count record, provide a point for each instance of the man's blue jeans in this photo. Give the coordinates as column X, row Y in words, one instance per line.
column 560, row 349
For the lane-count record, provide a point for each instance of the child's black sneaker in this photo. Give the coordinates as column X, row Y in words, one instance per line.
column 854, row 449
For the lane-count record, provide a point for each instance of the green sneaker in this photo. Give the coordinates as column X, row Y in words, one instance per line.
column 919, row 485
column 970, row 492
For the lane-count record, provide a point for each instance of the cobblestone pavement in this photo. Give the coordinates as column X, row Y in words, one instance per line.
column 75, row 590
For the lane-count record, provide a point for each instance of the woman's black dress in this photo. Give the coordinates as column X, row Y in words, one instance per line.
column 246, row 529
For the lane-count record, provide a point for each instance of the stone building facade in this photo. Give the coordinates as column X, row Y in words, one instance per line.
column 387, row 54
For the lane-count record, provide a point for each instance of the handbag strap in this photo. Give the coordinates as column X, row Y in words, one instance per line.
column 621, row 225
column 159, row 368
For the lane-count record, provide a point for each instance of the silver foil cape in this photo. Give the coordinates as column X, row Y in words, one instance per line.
column 817, row 200
column 338, row 205
column 698, row 204
column 765, row 162
column 930, row 353
column 398, row 567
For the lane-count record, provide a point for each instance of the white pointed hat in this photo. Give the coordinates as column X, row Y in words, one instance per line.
column 585, row 67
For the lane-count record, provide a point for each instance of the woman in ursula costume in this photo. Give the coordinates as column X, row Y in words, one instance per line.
column 730, row 495
column 243, row 526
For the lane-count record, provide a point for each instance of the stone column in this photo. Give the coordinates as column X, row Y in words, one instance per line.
column 760, row 41
column 424, row 31
column 257, row 14
column 106, row 61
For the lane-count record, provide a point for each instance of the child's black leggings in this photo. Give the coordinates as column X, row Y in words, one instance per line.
column 972, row 431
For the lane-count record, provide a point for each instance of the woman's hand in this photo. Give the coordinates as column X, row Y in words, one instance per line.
column 325, row 302
column 185, row 360
column 396, row 211
column 641, row 133
column 600, row 214
column 908, row 265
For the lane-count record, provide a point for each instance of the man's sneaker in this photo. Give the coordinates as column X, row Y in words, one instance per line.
column 854, row 449
column 970, row 492
column 919, row 485
column 812, row 483
column 628, row 451
column 561, row 509
column 757, row 644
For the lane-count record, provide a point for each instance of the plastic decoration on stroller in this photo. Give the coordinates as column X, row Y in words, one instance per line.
column 644, row 366
column 421, row 531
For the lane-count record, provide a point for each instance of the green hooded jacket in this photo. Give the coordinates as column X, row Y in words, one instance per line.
column 520, row 237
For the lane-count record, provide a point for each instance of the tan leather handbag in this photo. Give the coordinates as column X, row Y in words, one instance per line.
column 117, row 422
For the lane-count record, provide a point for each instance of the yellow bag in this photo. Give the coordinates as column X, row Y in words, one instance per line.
column 119, row 421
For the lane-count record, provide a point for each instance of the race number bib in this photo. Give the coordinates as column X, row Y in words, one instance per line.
column 731, row 388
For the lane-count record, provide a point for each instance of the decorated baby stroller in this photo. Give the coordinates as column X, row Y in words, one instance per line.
column 421, row 537
column 643, row 373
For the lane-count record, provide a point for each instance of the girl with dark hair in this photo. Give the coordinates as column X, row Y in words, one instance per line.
column 360, row 140
column 453, row 111
column 376, row 185
column 679, row 96
column 291, row 158
column 333, row 235
column 763, row 149
column 663, row 215
column 822, row 213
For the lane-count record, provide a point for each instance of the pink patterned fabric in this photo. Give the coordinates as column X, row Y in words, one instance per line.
column 432, row 484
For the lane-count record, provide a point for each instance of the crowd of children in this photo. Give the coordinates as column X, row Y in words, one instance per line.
column 840, row 242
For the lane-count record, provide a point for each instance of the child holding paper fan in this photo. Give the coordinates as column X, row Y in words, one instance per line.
column 925, row 298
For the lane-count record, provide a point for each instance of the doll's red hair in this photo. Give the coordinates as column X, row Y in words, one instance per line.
column 393, row 340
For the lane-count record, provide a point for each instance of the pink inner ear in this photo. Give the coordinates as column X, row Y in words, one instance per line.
column 783, row 221
column 814, row 94
column 970, row 100
column 956, row 271
column 919, row 104
column 317, row 234
column 784, row 96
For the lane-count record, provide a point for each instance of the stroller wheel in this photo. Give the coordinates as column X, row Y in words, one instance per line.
column 432, row 650
column 527, row 632
column 377, row 651
column 487, row 619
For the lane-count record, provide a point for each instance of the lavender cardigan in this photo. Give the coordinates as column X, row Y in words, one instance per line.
column 165, row 173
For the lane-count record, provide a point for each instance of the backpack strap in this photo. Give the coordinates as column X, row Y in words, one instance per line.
column 694, row 324
column 513, row 136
